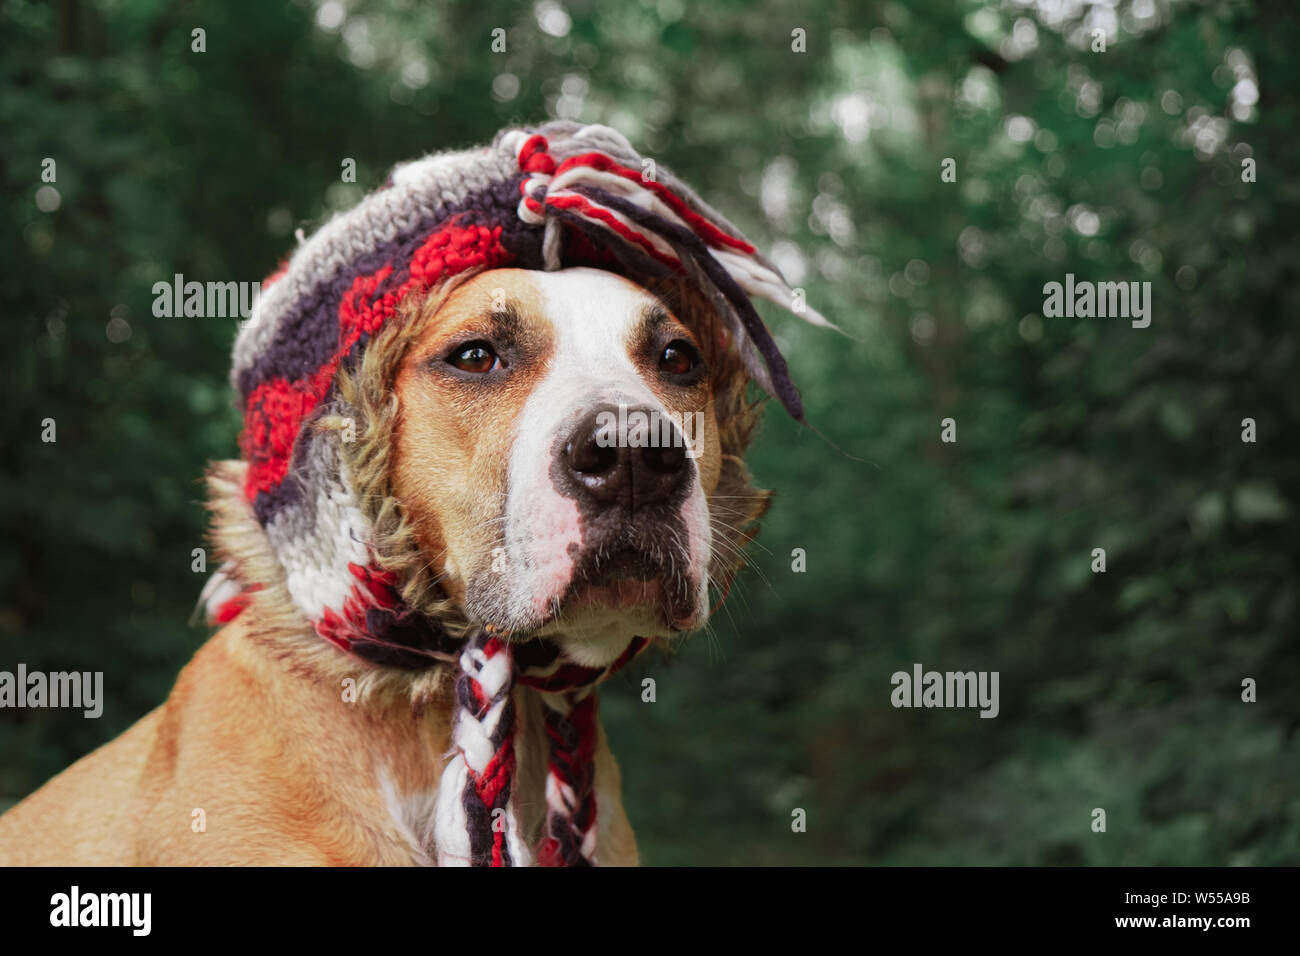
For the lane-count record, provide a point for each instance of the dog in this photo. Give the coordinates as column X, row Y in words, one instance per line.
column 496, row 455
column 494, row 425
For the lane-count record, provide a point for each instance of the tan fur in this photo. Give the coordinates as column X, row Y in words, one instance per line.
column 449, row 450
column 257, row 734
column 257, row 738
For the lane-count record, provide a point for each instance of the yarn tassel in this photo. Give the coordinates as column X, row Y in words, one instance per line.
column 725, row 282
column 670, row 228
column 570, row 837
column 475, row 821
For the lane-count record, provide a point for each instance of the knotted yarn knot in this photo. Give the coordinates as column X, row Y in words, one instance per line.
column 535, row 159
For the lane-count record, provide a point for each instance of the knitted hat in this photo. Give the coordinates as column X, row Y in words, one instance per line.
column 558, row 196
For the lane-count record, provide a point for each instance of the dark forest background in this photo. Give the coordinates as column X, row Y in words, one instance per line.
column 1119, row 690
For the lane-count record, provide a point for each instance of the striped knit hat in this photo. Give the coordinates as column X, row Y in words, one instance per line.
column 558, row 196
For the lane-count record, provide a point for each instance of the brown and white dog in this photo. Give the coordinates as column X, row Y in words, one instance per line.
column 484, row 446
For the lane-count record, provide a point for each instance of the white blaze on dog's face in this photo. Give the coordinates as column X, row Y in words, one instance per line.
column 556, row 449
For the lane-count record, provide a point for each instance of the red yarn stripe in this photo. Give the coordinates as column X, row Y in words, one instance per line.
column 496, row 776
column 534, row 155
column 702, row 226
column 333, row 628
column 604, row 215
column 275, row 276
column 227, row 611
column 274, row 414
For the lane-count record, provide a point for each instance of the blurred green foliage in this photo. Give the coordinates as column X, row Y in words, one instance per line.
column 1118, row 690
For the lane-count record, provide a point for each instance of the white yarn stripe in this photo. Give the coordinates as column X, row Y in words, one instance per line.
column 514, row 141
column 315, row 555
column 559, row 795
column 521, row 853
column 610, row 182
column 757, row 280
column 474, row 737
column 221, row 587
column 494, row 673
column 589, row 839
column 450, row 828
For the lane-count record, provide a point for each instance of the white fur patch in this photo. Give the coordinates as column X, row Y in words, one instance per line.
column 413, row 815
column 594, row 315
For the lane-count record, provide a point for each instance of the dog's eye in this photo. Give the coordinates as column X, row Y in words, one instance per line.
column 476, row 357
column 679, row 357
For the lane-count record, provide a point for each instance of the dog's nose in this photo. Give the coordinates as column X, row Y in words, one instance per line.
column 609, row 465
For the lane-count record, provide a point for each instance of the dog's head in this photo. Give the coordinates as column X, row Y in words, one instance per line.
column 564, row 452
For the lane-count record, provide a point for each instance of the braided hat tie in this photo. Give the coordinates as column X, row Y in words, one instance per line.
column 476, row 823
